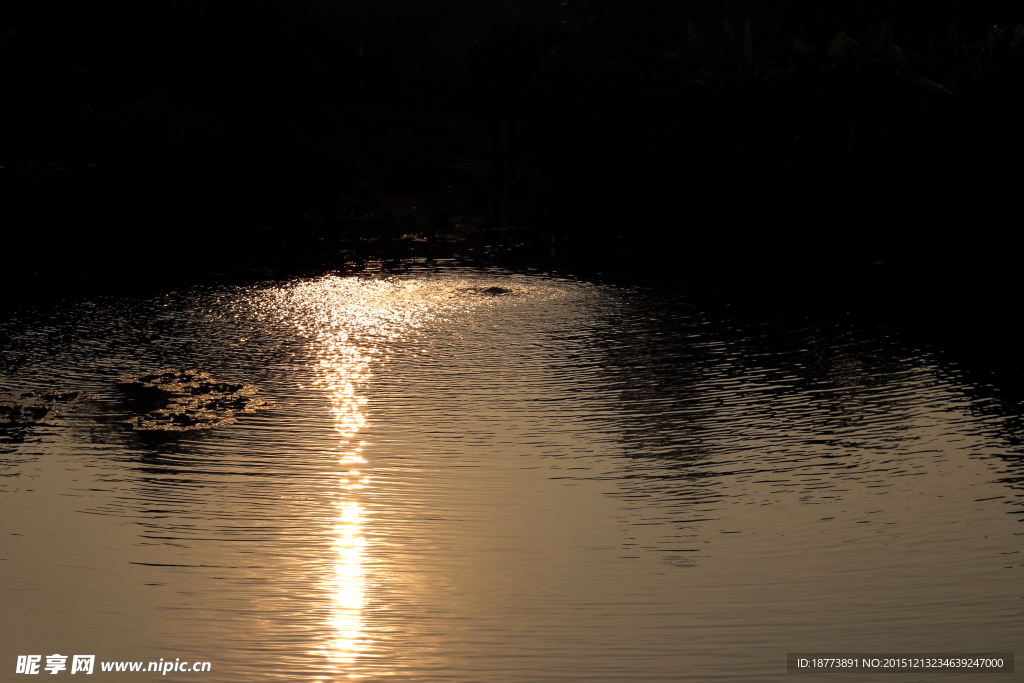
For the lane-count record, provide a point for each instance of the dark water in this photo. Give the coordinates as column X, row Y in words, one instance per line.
column 563, row 482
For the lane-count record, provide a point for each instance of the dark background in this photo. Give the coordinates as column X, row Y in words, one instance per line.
column 148, row 141
column 151, row 137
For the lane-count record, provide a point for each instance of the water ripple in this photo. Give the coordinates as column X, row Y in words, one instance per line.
column 487, row 476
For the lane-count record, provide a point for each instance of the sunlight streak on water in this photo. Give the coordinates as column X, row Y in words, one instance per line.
column 335, row 326
column 344, row 368
column 351, row 325
column 565, row 482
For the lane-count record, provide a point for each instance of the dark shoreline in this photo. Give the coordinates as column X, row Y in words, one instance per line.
column 867, row 169
column 958, row 295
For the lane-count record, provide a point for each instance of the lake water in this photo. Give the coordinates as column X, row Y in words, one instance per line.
column 564, row 482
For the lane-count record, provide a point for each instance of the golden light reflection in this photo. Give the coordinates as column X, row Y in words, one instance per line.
column 352, row 324
column 344, row 366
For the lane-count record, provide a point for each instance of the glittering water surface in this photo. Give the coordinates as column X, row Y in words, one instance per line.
column 563, row 481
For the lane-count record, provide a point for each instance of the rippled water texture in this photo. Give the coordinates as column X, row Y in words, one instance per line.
column 558, row 482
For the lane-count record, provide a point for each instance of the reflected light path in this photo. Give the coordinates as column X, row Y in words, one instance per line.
column 350, row 323
column 562, row 483
column 343, row 368
column 355, row 328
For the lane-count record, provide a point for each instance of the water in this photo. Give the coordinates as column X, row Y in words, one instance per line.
column 567, row 482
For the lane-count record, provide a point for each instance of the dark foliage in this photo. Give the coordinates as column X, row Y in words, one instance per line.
column 138, row 136
column 717, row 140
